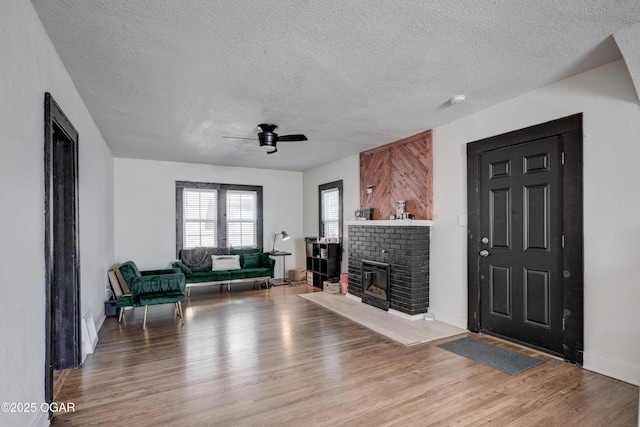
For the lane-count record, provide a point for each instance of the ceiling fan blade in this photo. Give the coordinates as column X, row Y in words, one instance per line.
column 296, row 137
column 239, row 137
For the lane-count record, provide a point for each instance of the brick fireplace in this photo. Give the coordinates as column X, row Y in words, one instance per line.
column 404, row 246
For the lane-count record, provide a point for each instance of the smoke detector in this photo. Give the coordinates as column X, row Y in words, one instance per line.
column 457, row 99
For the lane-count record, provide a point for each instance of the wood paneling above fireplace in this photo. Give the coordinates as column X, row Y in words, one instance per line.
column 401, row 170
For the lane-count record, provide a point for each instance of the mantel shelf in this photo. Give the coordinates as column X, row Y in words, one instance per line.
column 393, row 222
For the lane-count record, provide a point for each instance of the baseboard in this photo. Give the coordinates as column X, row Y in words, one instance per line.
column 89, row 335
column 611, row 368
column 444, row 317
column 101, row 322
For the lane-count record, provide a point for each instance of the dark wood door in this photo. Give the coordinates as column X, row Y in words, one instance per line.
column 61, row 244
column 65, row 287
column 520, row 255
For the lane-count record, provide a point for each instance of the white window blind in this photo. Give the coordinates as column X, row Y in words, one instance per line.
column 330, row 212
column 242, row 217
column 200, row 218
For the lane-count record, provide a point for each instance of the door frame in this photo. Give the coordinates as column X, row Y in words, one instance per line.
column 572, row 223
column 55, row 119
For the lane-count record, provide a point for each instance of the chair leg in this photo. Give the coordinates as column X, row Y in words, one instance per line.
column 144, row 323
column 181, row 312
column 121, row 314
column 178, row 309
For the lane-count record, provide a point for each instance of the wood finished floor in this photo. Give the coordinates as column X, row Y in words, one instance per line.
column 269, row 357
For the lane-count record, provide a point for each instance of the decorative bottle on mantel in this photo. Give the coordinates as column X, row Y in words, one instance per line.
column 400, row 209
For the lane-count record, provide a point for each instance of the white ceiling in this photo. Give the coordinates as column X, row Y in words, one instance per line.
column 167, row 79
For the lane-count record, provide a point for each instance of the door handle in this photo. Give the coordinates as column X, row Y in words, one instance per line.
column 484, row 253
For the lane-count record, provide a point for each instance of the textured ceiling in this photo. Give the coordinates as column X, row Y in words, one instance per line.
column 166, row 79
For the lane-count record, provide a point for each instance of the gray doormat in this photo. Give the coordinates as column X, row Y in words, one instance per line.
column 507, row 361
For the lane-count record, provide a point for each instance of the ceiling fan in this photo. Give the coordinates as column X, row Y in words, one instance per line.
column 268, row 138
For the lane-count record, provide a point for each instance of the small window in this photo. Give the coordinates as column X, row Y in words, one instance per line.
column 331, row 210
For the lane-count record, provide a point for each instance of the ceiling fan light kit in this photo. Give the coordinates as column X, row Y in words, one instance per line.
column 268, row 148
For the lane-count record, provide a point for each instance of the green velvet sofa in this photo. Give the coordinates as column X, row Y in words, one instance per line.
column 151, row 287
column 196, row 264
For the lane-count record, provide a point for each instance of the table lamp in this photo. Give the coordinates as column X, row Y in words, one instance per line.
column 284, row 235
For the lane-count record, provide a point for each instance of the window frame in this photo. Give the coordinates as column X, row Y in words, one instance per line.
column 329, row 186
column 222, row 210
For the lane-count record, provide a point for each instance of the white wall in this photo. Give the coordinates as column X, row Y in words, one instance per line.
column 29, row 67
column 611, row 124
column 347, row 170
column 145, row 213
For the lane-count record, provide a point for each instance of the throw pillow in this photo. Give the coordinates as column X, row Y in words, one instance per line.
column 251, row 261
column 225, row 262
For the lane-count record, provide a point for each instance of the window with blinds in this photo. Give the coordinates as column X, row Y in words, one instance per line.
column 200, row 223
column 330, row 213
column 218, row 215
column 331, row 209
column 241, row 218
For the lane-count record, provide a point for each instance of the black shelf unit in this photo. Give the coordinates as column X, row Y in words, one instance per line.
column 323, row 262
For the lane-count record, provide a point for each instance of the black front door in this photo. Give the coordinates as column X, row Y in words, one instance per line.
column 521, row 242
column 525, row 236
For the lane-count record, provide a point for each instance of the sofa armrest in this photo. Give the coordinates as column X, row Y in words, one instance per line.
column 180, row 266
column 269, row 262
column 272, row 263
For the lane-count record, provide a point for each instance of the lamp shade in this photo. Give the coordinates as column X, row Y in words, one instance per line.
column 285, row 236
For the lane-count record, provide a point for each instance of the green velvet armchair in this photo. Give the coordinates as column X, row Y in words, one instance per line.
column 151, row 287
